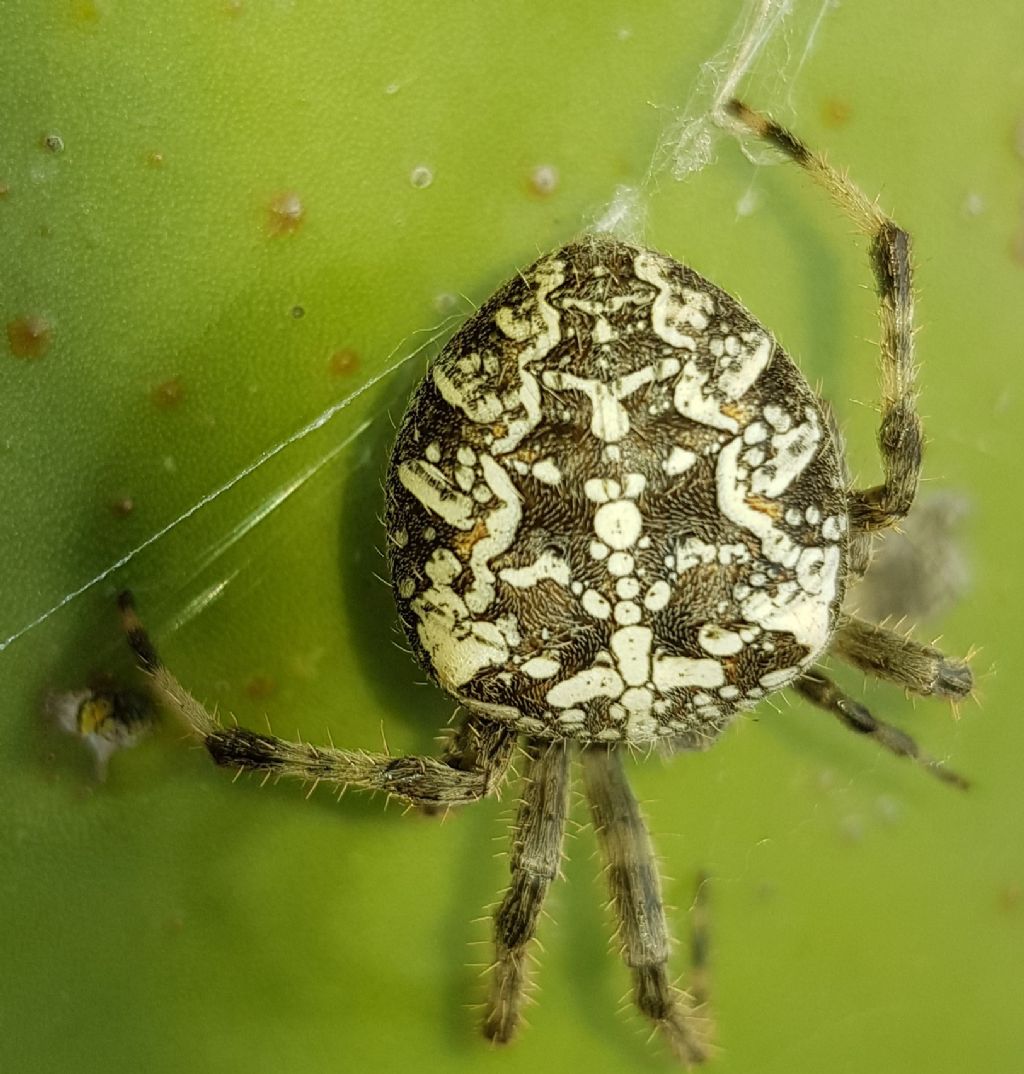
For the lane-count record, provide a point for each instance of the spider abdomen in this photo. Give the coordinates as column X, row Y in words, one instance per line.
column 615, row 507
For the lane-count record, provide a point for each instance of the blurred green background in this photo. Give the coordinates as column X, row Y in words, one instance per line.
column 213, row 229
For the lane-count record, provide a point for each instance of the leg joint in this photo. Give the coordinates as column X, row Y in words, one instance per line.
column 654, row 995
column 890, row 259
column 237, row 747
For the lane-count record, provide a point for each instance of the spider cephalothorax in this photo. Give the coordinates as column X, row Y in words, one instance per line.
column 618, row 514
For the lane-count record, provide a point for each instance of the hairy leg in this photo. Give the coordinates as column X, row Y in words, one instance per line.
column 823, row 692
column 534, row 864
column 899, row 436
column 636, row 894
column 473, row 745
column 898, row 658
column 420, row 780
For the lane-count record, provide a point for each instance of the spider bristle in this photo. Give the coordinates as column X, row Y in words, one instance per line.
column 974, row 651
column 625, row 1003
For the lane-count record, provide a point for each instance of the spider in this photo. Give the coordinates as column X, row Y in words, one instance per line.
column 618, row 515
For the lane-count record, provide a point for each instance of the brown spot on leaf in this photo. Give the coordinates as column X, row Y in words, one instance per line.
column 260, row 687
column 29, row 336
column 169, row 393
column 285, row 213
column 122, row 507
column 343, row 362
column 835, row 112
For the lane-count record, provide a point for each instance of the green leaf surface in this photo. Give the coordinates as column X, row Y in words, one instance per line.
column 219, row 254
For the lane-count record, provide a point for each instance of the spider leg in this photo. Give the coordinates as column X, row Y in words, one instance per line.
column 889, row 655
column 420, row 780
column 823, row 692
column 636, row 894
column 534, row 863
column 899, row 436
column 475, row 743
